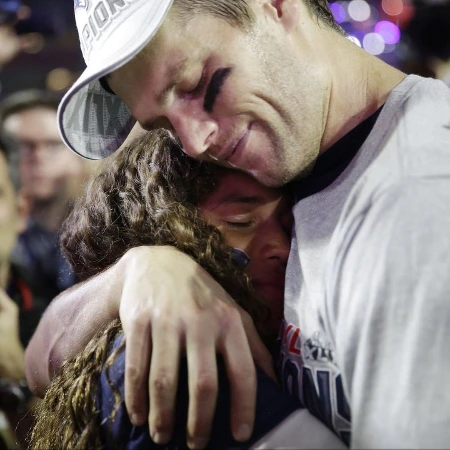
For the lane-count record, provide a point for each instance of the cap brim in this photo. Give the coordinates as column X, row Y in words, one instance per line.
column 92, row 122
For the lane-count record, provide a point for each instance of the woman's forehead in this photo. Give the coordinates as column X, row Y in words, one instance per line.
column 232, row 185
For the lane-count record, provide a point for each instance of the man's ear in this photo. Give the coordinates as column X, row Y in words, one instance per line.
column 287, row 12
column 23, row 210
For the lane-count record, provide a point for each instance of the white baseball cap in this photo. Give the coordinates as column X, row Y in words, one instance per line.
column 92, row 121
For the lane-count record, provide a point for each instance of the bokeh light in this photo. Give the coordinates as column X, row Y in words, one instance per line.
column 339, row 12
column 388, row 31
column 392, row 7
column 373, row 43
column 359, row 10
column 374, row 14
column 389, row 48
column 24, row 12
column 33, row 43
column 59, row 79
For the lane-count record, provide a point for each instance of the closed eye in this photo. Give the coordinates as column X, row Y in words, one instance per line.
column 240, row 225
column 200, row 84
column 213, row 90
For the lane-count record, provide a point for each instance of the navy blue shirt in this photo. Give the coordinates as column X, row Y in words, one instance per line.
column 272, row 407
column 38, row 253
column 31, row 304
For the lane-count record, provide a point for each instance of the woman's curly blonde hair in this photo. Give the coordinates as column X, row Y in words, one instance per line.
column 146, row 194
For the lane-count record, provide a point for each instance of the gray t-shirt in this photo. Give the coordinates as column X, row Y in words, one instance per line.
column 367, row 305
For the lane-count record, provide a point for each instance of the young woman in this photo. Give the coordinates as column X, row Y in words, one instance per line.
column 238, row 230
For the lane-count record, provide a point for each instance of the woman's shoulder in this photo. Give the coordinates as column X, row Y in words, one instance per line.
column 115, row 425
column 272, row 406
column 113, row 372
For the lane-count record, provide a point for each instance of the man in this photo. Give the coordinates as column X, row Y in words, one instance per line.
column 51, row 177
column 275, row 89
column 20, row 309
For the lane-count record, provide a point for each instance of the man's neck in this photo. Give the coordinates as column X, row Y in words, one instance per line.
column 50, row 214
column 361, row 84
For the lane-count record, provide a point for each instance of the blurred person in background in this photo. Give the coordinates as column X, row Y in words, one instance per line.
column 20, row 308
column 16, row 30
column 428, row 38
column 52, row 178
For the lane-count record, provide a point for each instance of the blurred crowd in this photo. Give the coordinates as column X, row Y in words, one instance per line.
column 40, row 180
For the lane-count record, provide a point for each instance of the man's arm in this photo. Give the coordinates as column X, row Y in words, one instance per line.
column 69, row 323
column 168, row 305
column 74, row 317
column 388, row 312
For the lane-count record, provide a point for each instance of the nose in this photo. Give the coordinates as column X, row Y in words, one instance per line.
column 195, row 128
column 277, row 243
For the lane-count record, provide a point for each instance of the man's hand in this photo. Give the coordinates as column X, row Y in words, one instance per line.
column 11, row 350
column 170, row 305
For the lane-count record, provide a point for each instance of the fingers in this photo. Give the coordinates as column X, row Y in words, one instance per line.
column 163, row 379
column 203, row 386
column 205, row 327
column 137, row 363
column 242, row 376
column 261, row 354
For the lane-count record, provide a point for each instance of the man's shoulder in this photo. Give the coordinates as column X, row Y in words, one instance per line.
column 423, row 116
column 381, row 227
column 418, row 109
column 412, row 136
column 415, row 88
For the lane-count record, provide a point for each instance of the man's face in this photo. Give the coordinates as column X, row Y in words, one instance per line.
column 257, row 220
column 246, row 99
column 47, row 167
column 11, row 221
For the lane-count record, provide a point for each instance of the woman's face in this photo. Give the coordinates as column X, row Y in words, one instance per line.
column 257, row 220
